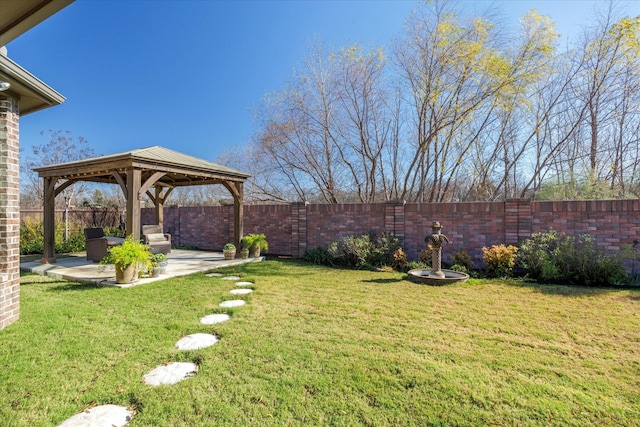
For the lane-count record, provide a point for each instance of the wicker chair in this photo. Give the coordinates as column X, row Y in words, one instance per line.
column 157, row 241
column 98, row 244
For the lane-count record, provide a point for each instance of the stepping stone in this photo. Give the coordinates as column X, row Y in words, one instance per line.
column 244, row 283
column 196, row 341
column 170, row 373
column 233, row 303
column 231, row 278
column 241, row 291
column 214, row 275
column 100, row 416
column 212, row 319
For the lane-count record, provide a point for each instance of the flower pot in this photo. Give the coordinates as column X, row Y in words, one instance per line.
column 228, row 255
column 254, row 251
column 244, row 254
column 162, row 267
column 129, row 274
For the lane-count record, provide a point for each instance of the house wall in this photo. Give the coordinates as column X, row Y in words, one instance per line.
column 9, row 212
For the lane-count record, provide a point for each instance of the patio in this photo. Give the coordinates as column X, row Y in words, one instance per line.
column 76, row 268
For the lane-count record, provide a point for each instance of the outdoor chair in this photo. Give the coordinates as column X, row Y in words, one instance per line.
column 98, row 244
column 157, row 241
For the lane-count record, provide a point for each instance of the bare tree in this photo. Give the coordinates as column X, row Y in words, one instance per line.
column 62, row 147
column 458, row 112
column 459, row 81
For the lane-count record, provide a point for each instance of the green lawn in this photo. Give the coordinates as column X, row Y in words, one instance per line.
column 317, row 346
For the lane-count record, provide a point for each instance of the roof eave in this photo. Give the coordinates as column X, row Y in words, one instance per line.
column 29, row 15
column 32, row 93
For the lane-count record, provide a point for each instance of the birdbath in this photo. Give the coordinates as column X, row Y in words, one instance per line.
column 435, row 240
column 436, row 276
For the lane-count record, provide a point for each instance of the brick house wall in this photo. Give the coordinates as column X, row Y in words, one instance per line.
column 9, row 212
column 293, row 228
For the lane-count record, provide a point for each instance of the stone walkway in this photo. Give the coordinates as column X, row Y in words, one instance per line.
column 167, row 373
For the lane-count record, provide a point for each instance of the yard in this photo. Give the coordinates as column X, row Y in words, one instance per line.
column 318, row 346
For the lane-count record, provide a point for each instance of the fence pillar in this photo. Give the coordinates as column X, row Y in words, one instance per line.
column 298, row 229
column 517, row 220
column 394, row 218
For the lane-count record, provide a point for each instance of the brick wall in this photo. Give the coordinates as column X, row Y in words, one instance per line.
column 291, row 229
column 9, row 212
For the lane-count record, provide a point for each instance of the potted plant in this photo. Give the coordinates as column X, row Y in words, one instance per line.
column 229, row 251
column 255, row 243
column 244, row 252
column 127, row 259
column 159, row 264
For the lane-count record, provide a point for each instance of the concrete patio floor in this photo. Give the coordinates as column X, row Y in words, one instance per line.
column 76, row 268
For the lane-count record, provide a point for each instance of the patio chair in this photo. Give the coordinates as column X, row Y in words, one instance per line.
column 98, row 244
column 157, row 241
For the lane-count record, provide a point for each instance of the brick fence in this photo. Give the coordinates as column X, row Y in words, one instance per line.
column 293, row 228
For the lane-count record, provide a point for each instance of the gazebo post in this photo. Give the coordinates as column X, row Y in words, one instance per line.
column 48, row 253
column 134, row 182
column 159, row 202
column 238, row 213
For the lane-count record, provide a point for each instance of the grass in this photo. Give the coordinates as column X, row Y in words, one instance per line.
column 317, row 346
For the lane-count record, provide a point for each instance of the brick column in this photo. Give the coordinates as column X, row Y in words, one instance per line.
column 9, row 212
column 298, row 229
column 394, row 218
column 517, row 220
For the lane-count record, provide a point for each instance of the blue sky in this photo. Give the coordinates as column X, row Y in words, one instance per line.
column 187, row 74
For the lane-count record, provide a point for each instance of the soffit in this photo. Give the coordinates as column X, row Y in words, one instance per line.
column 19, row 16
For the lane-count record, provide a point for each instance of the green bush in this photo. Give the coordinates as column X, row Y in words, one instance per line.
column 417, row 265
column 577, row 260
column 31, row 237
column 374, row 249
column 534, row 255
column 75, row 243
column 319, row 255
column 463, row 259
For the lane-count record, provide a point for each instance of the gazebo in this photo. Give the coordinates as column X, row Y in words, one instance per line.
column 154, row 171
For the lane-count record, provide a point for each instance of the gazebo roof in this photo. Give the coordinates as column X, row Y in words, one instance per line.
column 180, row 169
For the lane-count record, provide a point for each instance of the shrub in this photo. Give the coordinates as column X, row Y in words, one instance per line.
column 535, row 255
column 425, row 256
column 578, row 260
column 384, row 246
column 499, row 260
column 32, row 237
column 417, row 265
column 399, row 259
column 459, row 268
column 351, row 251
column 583, row 263
column 319, row 255
column 462, row 258
column 373, row 249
